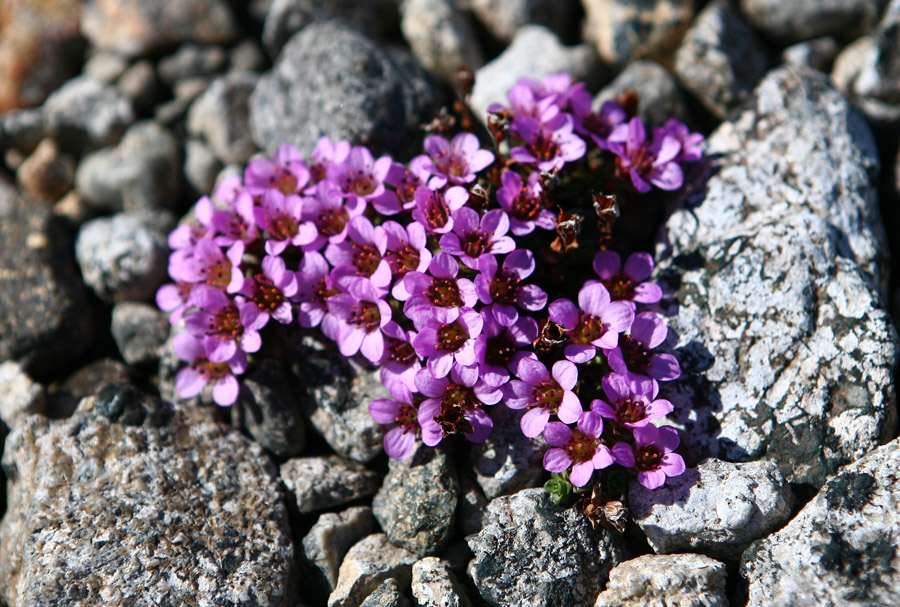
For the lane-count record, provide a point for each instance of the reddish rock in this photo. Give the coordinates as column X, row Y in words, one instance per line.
column 46, row 174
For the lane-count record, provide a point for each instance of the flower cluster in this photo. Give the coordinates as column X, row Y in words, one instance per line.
column 439, row 272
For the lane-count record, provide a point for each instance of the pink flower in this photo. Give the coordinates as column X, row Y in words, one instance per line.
column 651, row 455
column 524, row 202
column 627, row 283
column 543, row 394
column 330, row 214
column 499, row 348
column 286, row 172
column 326, row 154
column 227, row 324
column 438, row 289
column 361, row 313
column 549, row 144
column 407, row 251
column 454, row 405
column 434, row 209
column 459, row 160
column 280, row 216
column 174, row 298
column 362, row 254
column 448, row 337
column 190, row 381
column 579, row 449
column 473, row 237
column 400, row 362
column 503, row 287
column 402, row 413
column 635, row 354
column 271, row 290
column 205, row 262
column 314, row 287
column 631, row 401
column 361, row 175
column 646, row 162
column 596, row 324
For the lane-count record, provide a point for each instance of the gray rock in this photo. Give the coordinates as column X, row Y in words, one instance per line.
column 269, row 411
column 20, row 396
column 138, row 28
column 123, row 256
column 435, row 585
column 876, row 86
column 142, row 172
column 317, row 483
column 841, row 549
column 818, row 53
column 200, row 166
column 786, row 350
column 86, row 114
column 44, row 318
column 221, row 116
column 84, row 382
column 675, row 580
column 535, row 52
column 717, row 508
column 625, row 30
column 507, row 461
column 247, row 56
column 532, row 552
column 192, row 60
column 331, row 80
column 472, row 503
column 367, row 565
column 105, row 66
column 332, row 536
column 416, row 504
column 188, row 513
column 441, row 36
column 720, row 59
column 140, row 85
column 504, row 17
column 285, row 18
column 335, row 392
column 386, row 595
column 47, row 174
column 849, row 63
column 805, row 19
column 22, row 130
column 139, row 330
column 172, row 113
column 124, row 403
column 659, row 95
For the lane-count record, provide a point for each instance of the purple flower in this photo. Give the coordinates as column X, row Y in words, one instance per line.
column 448, row 336
column 187, row 235
column 406, row 180
column 362, row 313
column 458, row 160
column 280, row 216
column 651, row 455
column 690, row 142
column 236, row 222
column 407, row 251
column 271, row 290
column 190, row 381
column 175, row 299
column 548, row 143
column 504, row 288
column 434, row 209
column 627, row 283
column 634, row 352
column 631, row 401
column 439, row 290
column 600, row 124
column 524, row 203
column 402, row 413
column 314, row 287
column 543, row 394
column 228, row 324
column 362, row 254
column 400, row 363
column 498, row 348
column 580, row 448
column 475, row 237
column 286, row 172
column 330, row 214
column 596, row 324
column 454, row 405
column 645, row 162
column 361, row 175
column 326, row 154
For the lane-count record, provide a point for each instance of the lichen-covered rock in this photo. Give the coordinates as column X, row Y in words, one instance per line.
column 624, row 30
column 44, row 319
column 776, row 265
column 507, row 461
column 841, row 549
column 20, row 396
column 717, row 508
column 221, row 116
column 535, row 52
column 367, row 565
column 389, row 594
column 416, row 504
column 331, row 80
column 331, row 537
column 720, row 59
column 101, row 512
column 441, row 36
column 805, row 19
column 875, row 86
column 674, row 580
column 435, row 585
column 316, row 483
column 531, row 552
column 85, row 114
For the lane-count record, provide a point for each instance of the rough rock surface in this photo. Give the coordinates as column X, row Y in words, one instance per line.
column 720, row 59
column 367, row 565
column 139, row 330
column 388, row 594
column 507, row 461
column 332, row 536
column 221, row 116
column 189, row 513
column 331, row 80
column 317, row 483
column 417, row 502
column 441, row 36
column 44, row 320
column 717, row 508
column 776, row 265
column 805, row 19
column 86, row 114
column 46, row 174
column 504, row 17
column 660, row 97
column 531, row 552
column 20, row 396
column 435, row 585
column 841, row 549
column 675, row 580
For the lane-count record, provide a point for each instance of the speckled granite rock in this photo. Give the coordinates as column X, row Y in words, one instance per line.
column 841, row 549
column 44, row 319
column 188, row 513
column 368, row 564
column 331, row 80
column 507, row 461
column 317, row 483
column 531, row 552
column 674, row 580
column 140, row 330
column 221, row 116
column 416, row 504
column 717, row 508
column 331, row 537
column 20, row 396
column 805, row 19
column 442, row 37
column 435, row 585
column 388, row 594
column 776, row 265
column 86, row 114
